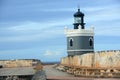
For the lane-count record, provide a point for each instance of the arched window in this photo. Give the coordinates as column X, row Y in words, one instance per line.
column 91, row 42
column 71, row 42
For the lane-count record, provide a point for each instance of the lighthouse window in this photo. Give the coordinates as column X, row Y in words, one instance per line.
column 91, row 42
column 71, row 42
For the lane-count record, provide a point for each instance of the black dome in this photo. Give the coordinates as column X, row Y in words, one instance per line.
column 78, row 14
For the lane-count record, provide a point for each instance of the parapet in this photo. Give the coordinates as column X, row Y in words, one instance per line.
column 79, row 32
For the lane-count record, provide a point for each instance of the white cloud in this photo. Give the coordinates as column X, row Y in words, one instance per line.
column 105, row 19
column 52, row 53
column 29, row 31
column 49, row 29
column 32, row 37
column 58, row 10
column 30, row 25
column 100, row 8
column 108, row 31
column 101, row 14
column 48, row 53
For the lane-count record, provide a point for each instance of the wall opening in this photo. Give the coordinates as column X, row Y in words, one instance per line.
column 91, row 42
column 71, row 42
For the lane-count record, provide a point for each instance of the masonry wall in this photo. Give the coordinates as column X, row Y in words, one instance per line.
column 19, row 63
column 101, row 59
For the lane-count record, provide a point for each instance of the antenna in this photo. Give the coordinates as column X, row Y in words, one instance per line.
column 78, row 7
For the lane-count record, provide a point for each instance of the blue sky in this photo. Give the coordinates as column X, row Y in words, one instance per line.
column 35, row 28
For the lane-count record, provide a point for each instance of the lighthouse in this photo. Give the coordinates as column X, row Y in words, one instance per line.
column 79, row 39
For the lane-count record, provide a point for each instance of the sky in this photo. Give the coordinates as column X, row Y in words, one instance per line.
column 34, row 29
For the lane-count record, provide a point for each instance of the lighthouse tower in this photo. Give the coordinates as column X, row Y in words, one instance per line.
column 79, row 39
